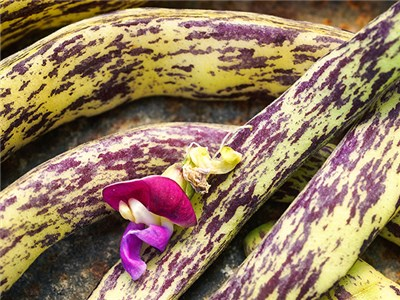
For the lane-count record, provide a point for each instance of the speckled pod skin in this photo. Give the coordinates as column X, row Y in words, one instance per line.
column 32, row 186
column 299, row 179
column 93, row 65
column 64, row 193
column 21, row 18
column 391, row 231
column 362, row 281
column 334, row 219
column 329, row 96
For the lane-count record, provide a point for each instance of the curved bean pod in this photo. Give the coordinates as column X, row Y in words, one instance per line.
column 64, row 193
column 21, row 18
column 361, row 282
column 93, row 65
column 391, row 232
column 334, row 219
column 332, row 94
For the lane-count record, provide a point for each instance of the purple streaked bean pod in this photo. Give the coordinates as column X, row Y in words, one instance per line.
column 361, row 282
column 391, row 232
column 94, row 65
column 22, row 18
column 64, row 193
column 330, row 96
column 334, row 219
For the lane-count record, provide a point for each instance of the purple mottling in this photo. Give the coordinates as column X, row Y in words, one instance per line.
column 42, row 211
column 34, row 93
column 311, row 280
column 190, row 24
column 8, row 202
column 139, row 51
column 24, row 85
column 157, row 40
column 192, row 50
column 6, row 92
column 227, row 32
column 151, row 29
column 268, row 287
column 63, row 166
column 286, row 80
column 158, row 70
column 382, row 79
column 306, row 85
column 40, row 126
column 7, row 110
column 328, row 39
column 308, row 48
column 62, row 52
column 117, row 43
column 393, row 228
column 369, row 239
column 173, row 269
column 334, row 75
column 63, row 87
column 341, row 293
column 4, row 233
column 395, row 289
column 179, row 75
column 36, row 202
column 102, row 6
column 302, row 58
column 28, row 113
column 21, row 13
column 50, row 192
column 300, row 131
column 14, row 242
column 157, row 56
column 92, row 216
column 244, row 60
column 89, row 66
column 229, row 211
column 110, row 88
column 111, row 281
column 243, row 86
column 86, row 175
column 283, row 71
column 304, row 211
column 135, row 22
column 3, row 281
column 196, row 35
column 20, row 68
column 188, row 68
column 49, row 239
column 262, row 94
column 342, row 156
column 243, row 197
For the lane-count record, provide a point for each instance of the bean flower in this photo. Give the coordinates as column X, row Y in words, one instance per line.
column 154, row 204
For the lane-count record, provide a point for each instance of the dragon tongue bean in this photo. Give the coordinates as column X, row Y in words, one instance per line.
column 331, row 95
column 94, row 65
column 334, row 219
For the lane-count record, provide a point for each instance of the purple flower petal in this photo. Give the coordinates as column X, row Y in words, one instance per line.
column 160, row 195
column 156, row 236
column 130, row 251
